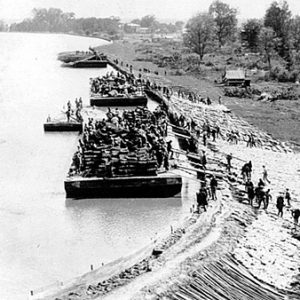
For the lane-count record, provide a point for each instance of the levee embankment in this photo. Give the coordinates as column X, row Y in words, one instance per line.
column 232, row 251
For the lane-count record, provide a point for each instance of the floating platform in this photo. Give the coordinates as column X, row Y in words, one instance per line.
column 88, row 64
column 63, row 126
column 161, row 186
column 119, row 101
column 72, row 56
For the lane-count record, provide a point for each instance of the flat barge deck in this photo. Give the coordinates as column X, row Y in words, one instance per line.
column 63, row 126
column 88, row 64
column 161, row 186
column 118, row 101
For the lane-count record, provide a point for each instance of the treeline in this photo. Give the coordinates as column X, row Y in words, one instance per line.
column 277, row 34
column 55, row 20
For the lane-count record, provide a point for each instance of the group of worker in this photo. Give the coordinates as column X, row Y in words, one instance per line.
column 206, row 192
column 256, row 194
column 260, row 194
column 76, row 112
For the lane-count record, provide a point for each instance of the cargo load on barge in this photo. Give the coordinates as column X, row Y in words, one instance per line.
column 117, row 90
column 124, row 155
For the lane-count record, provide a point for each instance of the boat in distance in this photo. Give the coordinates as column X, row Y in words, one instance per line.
column 71, row 56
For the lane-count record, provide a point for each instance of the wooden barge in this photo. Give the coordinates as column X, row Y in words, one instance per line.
column 88, row 63
column 118, row 101
column 63, row 126
column 161, row 186
column 71, row 56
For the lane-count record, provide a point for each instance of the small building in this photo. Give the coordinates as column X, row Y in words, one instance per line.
column 236, row 77
column 143, row 30
column 131, row 27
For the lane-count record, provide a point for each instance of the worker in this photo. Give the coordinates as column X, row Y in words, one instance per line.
column 202, row 198
column 265, row 175
column 280, row 205
column 228, row 159
column 213, row 187
column 288, row 197
column 296, row 215
column 268, row 197
column 203, row 160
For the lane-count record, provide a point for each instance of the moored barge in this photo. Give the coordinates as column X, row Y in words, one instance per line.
column 63, row 126
column 159, row 186
column 133, row 100
column 88, row 63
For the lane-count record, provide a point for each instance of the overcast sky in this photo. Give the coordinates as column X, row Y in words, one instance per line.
column 130, row 9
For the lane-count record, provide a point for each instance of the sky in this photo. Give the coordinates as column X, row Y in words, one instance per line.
column 16, row 10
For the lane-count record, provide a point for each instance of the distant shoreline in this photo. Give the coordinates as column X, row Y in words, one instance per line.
column 66, row 33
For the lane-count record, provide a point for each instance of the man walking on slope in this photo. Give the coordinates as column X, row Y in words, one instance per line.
column 280, row 205
column 213, row 187
column 228, row 159
column 296, row 215
column 202, row 198
column 265, row 175
column 288, row 197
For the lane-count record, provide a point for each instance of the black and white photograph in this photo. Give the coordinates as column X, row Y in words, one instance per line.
column 150, row 150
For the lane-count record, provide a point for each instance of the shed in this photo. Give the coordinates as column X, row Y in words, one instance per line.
column 235, row 77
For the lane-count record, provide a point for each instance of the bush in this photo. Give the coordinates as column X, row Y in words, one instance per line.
column 283, row 75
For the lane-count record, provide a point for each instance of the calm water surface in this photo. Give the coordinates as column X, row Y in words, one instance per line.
column 43, row 237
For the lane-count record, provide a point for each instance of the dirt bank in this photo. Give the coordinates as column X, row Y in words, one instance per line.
column 255, row 254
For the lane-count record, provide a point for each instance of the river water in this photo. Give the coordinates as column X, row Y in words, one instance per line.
column 43, row 237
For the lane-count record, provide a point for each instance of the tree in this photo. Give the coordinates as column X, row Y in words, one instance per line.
column 267, row 42
column 148, row 21
column 295, row 32
column 225, row 20
column 2, row 26
column 251, row 31
column 278, row 17
column 136, row 21
column 200, row 33
column 179, row 25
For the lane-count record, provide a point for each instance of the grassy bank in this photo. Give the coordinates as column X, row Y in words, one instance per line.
column 280, row 118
